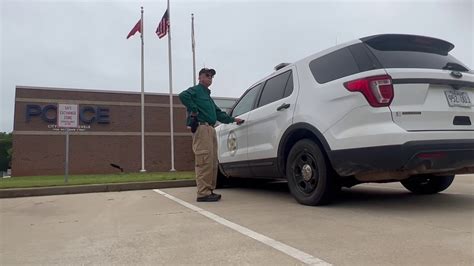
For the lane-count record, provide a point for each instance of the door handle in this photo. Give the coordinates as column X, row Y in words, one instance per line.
column 283, row 106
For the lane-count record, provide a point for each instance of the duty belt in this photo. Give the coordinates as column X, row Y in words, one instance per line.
column 205, row 123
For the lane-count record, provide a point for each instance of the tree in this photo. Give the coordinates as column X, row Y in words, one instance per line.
column 9, row 157
column 5, row 150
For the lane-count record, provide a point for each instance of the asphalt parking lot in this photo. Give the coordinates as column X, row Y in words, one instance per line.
column 374, row 224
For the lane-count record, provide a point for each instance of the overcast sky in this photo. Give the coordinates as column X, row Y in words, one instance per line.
column 82, row 44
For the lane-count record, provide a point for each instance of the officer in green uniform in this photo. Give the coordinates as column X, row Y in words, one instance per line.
column 204, row 113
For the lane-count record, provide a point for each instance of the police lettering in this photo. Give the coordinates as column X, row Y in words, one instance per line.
column 87, row 114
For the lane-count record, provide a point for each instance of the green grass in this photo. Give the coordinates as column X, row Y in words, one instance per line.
column 48, row 181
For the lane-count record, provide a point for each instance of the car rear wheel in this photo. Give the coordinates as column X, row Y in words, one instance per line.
column 309, row 178
column 427, row 184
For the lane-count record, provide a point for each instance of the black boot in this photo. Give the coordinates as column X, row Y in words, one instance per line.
column 209, row 198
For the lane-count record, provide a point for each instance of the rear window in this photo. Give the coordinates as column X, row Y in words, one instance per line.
column 409, row 55
column 274, row 89
column 289, row 87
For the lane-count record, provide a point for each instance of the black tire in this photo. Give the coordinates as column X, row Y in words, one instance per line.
column 310, row 180
column 427, row 184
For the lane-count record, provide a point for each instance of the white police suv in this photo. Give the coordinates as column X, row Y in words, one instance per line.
column 383, row 108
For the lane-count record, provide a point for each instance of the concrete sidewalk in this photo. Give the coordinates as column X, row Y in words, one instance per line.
column 75, row 189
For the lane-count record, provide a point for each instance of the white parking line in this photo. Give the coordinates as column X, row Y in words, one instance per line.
column 291, row 251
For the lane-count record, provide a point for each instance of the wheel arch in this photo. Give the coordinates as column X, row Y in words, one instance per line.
column 295, row 133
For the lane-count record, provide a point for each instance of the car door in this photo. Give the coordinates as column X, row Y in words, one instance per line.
column 266, row 124
column 232, row 138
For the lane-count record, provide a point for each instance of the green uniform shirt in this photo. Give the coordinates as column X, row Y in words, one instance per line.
column 198, row 99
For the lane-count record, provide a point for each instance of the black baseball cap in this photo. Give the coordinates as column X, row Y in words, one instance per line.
column 207, row 70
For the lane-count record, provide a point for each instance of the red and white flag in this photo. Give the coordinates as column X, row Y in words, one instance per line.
column 135, row 29
column 162, row 28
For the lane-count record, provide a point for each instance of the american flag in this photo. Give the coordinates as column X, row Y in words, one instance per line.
column 162, row 29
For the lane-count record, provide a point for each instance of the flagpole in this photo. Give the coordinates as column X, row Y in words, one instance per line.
column 193, row 44
column 142, row 105
column 171, row 88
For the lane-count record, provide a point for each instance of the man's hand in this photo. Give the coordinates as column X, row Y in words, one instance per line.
column 239, row 121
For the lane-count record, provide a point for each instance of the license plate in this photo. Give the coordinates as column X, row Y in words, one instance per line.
column 458, row 98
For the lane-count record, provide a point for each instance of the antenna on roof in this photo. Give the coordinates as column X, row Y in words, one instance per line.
column 280, row 66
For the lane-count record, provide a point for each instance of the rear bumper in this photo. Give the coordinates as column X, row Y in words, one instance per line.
column 414, row 157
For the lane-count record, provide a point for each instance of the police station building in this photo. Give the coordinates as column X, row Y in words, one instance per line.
column 109, row 132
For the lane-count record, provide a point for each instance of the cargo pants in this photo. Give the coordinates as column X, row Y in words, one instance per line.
column 205, row 159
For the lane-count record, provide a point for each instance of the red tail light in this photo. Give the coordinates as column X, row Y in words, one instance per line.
column 377, row 90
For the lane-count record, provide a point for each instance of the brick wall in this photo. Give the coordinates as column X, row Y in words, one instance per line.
column 39, row 148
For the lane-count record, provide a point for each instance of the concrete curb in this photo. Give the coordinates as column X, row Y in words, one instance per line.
column 62, row 190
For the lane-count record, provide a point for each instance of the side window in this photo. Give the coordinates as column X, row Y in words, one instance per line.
column 247, row 102
column 274, row 89
column 333, row 66
column 289, row 87
column 363, row 57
